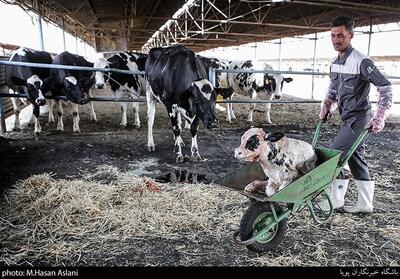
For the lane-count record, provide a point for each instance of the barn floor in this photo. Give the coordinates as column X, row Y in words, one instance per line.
column 67, row 156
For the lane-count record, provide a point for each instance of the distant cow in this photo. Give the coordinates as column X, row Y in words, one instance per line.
column 28, row 80
column 222, row 87
column 123, row 84
column 264, row 85
column 75, row 85
column 282, row 159
column 178, row 79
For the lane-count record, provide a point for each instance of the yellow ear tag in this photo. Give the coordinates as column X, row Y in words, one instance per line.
column 220, row 98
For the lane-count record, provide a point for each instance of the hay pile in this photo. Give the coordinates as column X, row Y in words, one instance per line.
column 58, row 221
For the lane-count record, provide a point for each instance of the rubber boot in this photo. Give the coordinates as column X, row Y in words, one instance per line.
column 338, row 191
column 364, row 199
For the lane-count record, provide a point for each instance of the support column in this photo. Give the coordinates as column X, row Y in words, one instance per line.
column 369, row 37
column 313, row 76
column 280, row 54
column 63, row 33
column 2, row 117
column 40, row 29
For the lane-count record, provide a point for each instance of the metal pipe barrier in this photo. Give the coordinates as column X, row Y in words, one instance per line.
column 68, row 67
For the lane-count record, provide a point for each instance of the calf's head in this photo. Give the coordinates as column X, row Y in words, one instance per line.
column 274, row 84
column 34, row 85
column 101, row 77
column 202, row 102
column 75, row 90
column 255, row 143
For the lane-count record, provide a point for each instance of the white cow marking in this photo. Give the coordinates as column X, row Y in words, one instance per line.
column 204, row 84
column 72, row 80
column 34, row 79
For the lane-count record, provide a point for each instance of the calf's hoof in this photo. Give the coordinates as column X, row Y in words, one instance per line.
column 249, row 188
column 179, row 158
column 136, row 126
column 77, row 132
column 196, row 158
column 16, row 129
column 151, row 148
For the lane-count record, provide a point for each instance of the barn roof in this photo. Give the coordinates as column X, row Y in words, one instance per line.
column 129, row 24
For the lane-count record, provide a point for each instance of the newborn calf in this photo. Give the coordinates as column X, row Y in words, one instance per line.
column 282, row 159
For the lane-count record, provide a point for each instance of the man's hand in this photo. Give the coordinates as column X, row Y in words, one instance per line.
column 327, row 107
column 376, row 124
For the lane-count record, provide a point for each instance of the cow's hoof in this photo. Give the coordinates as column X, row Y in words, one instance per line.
column 151, row 148
column 179, row 158
column 122, row 126
column 196, row 158
column 77, row 132
column 94, row 120
column 136, row 127
column 37, row 134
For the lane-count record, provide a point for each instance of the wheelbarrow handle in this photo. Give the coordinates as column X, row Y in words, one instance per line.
column 356, row 144
column 317, row 132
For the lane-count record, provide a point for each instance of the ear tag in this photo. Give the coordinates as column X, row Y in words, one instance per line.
column 220, row 98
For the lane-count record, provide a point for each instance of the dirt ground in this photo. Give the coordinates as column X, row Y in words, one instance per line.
column 66, row 156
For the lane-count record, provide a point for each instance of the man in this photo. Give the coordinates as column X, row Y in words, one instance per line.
column 351, row 74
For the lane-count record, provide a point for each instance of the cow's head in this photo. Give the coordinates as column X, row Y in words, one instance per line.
column 274, row 84
column 101, row 77
column 202, row 102
column 34, row 86
column 255, row 143
column 75, row 90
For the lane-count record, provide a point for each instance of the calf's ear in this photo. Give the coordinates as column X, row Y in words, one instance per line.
column 272, row 137
column 18, row 81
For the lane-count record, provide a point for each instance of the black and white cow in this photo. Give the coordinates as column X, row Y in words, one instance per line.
column 123, row 84
column 28, row 80
column 178, row 79
column 75, row 85
column 222, row 87
column 264, row 85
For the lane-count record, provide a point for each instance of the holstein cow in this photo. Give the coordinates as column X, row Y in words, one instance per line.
column 266, row 86
column 123, row 84
column 178, row 79
column 282, row 159
column 222, row 87
column 27, row 80
column 75, row 85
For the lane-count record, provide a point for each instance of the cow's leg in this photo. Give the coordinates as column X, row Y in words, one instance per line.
column 32, row 120
column 267, row 110
column 135, row 107
column 17, row 110
column 195, row 149
column 36, row 114
column 75, row 118
column 179, row 119
column 151, row 113
column 93, row 116
column 60, row 112
column 51, row 115
column 228, row 111
column 173, row 113
column 252, row 107
column 233, row 117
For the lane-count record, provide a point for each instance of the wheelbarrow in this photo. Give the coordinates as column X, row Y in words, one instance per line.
column 263, row 224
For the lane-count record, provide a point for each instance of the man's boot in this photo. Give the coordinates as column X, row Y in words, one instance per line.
column 338, row 191
column 364, row 199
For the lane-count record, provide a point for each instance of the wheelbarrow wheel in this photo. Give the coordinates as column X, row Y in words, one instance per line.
column 258, row 216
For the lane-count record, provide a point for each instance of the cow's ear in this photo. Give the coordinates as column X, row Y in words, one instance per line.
column 18, row 81
column 289, row 79
column 272, row 137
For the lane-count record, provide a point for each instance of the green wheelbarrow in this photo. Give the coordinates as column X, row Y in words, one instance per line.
column 263, row 225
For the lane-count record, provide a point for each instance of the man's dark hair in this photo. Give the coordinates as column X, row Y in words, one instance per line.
column 345, row 21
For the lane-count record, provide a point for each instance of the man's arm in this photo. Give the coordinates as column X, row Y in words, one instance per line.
column 372, row 74
column 329, row 104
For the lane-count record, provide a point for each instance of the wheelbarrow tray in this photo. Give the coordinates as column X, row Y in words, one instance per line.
column 314, row 181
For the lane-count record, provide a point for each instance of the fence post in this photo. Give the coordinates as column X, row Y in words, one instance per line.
column 2, row 117
column 211, row 76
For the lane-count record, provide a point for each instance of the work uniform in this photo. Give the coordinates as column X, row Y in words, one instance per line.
column 350, row 78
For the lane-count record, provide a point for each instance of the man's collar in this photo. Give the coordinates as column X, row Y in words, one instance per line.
column 342, row 60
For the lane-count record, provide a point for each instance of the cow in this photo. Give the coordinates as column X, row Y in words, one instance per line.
column 123, row 84
column 75, row 85
column 282, row 159
column 264, row 85
column 177, row 78
column 28, row 80
column 222, row 87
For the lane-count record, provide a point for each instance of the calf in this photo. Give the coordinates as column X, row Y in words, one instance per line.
column 266, row 86
column 123, row 84
column 28, row 80
column 178, row 79
column 282, row 159
column 222, row 87
column 73, row 84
